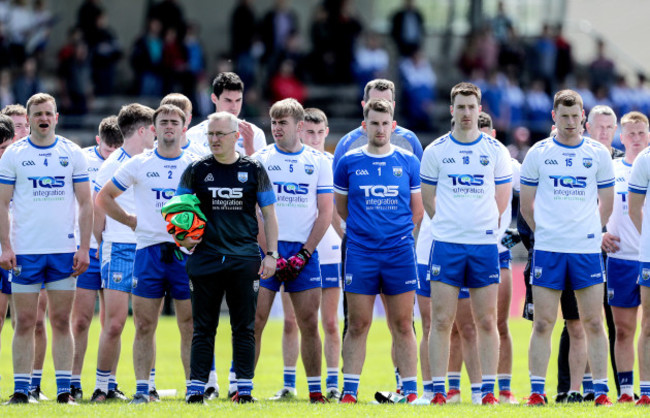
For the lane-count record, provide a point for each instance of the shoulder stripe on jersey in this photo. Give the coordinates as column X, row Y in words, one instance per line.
column 118, row 185
column 606, row 185
column 508, row 180
column 340, row 190
column 633, row 189
column 5, row 181
column 80, row 179
column 529, row 182
column 323, row 191
column 432, row 182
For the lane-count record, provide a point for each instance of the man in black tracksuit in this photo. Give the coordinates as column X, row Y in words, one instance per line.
column 227, row 258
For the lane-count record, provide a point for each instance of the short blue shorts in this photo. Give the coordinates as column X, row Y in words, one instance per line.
column 424, row 287
column 41, row 268
column 561, row 271
column 331, row 275
column 505, row 258
column 464, row 265
column 309, row 277
column 5, row 284
column 644, row 274
column 153, row 278
column 389, row 272
column 91, row 279
column 622, row 283
column 117, row 266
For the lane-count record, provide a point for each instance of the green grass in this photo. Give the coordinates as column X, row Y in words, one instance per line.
column 377, row 375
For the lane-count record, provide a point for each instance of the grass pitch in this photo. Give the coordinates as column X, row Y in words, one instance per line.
column 377, row 375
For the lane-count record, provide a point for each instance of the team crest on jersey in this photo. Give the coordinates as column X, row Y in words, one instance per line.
column 64, row 161
column 484, row 160
column 538, row 272
column 117, row 276
column 208, row 178
column 17, row 270
column 397, row 171
column 645, row 274
column 309, row 169
column 587, row 162
column 242, row 176
column 348, row 279
column 435, row 270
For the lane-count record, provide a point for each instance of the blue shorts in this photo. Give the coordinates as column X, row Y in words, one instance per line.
column 309, row 277
column 331, row 275
column 41, row 268
column 388, row 272
column 5, row 284
column 117, row 266
column 622, row 288
column 505, row 258
column 153, row 278
column 464, row 265
column 91, row 279
column 424, row 287
column 561, row 271
column 644, row 274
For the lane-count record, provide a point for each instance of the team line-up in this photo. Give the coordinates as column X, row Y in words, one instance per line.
column 155, row 209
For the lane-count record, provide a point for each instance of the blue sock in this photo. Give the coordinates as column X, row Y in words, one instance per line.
column 232, row 376
column 21, row 383
column 398, row 379
column 196, row 387
column 313, row 383
column 213, row 368
column 587, row 383
column 351, row 384
column 487, row 384
column 439, row 385
column 102, row 379
column 645, row 387
column 476, row 389
column 600, row 387
column 62, row 381
column 454, row 380
column 332, row 381
column 152, row 379
column 504, row 381
column 75, row 381
column 244, row 386
column 626, row 380
column 537, row 384
column 290, row 377
column 112, row 382
column 409, row 385
column 428, row 386
column 142, row 387
column 36, row 379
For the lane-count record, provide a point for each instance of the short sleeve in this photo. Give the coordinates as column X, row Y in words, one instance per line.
column 341, row 179
column 126, row 175
column 79, row 166
column 605, row 173
column 265, row 194
column 259, row 139
column 516, row 173
column 414, row 174
column 7, row 168
column 503, row 166
column 429, row 168
column 186, row 183
column 325, row 176
column 529, row 175
column 640, row 177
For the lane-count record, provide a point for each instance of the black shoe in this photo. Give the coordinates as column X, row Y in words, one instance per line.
column 153, row 396
column 76, row 393
column 18, row 398
column 196, row 398
column 211, row 393
column 139, row 398
column 116, row 394
column 574, row 397
column 231, row 394
column 561, row 397
column 66, row 398
column 243, row 398
column 589, row 397
column 37, row 395
column 98, row 396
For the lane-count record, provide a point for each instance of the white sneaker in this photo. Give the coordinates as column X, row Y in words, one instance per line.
column 477, row 398
column 422, row 400
column 284, row 394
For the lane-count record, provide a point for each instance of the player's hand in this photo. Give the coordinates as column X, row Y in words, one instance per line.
column 189, row 242
column 267, row 269
column 510, row 238
column 298, row 262
column 282, row 272
column 80, row 262
column 247, row 134
column 132, row 222
column 8, row 259
column 610, row 243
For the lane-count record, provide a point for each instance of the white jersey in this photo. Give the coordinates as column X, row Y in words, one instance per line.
column 639, row 182
column 329, row 248
column 95, row 160
column 567, row 219
column 619, row 223
column 194, row 147
column 506, row 217
column 199, row 134
column 43, row 200
column 154, row 180
column 298, row 178
column 465, row 175
column 425, row 240
column 115, row 231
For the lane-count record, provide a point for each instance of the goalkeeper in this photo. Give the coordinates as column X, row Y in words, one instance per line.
column 226, row 259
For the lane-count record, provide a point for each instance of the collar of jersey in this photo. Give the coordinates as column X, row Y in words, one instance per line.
column 165, row 158
column 569, row 146
column 364, row 149
column 98, row 154
column 29, row 139
column 124, row 152
column 625, row 163
column 288, row 153
column 480, row 136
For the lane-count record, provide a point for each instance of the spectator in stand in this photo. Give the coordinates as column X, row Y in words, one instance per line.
column 146, row 60
column 371, row 60
column 285, row 84
column 5, row 54
column 601, row 69
column 622, row 96
column 407, row 29
column 494, row 100
column 502, row 25
column 74, row 78
column 588, row 98
column 28, row 83
column 174, row 63
column 538, row 103
column 544, row 58
column 512, row 53
column 601, row 95
column 6, row 91
column 642, row 94
column 514, row 101
column 564, row 57
column 195, row 61
column 170, row 15
column 19, row 26
column 104, row 55
column 481, row 52
column 418, row 91
column 277, row 26
column 520, row 143
column 243, row 38
column 344, row 30
column 87, row 16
